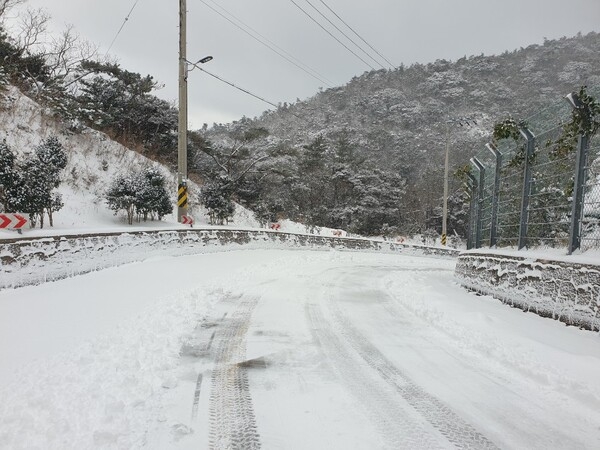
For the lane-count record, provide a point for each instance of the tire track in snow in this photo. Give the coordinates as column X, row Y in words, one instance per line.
column 196, row 397
column 232, row 420
column 455, row 429
column 396, row 426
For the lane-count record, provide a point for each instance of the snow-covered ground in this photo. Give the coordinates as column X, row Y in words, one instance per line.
column 288, row 350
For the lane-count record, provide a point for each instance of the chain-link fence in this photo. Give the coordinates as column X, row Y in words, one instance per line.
column 539, row 186
column 590, row 236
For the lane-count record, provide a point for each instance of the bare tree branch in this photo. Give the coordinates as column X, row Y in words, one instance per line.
column 66, row 52
column 247, row 169
column 7, row 5
column 31, row 28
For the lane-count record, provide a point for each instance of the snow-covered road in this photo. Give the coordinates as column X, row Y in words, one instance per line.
column 288, row 350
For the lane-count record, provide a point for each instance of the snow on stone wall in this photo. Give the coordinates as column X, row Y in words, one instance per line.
column 569, row 292
column 33, row 261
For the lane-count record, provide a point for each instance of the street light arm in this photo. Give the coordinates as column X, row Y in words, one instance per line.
column 195, row 65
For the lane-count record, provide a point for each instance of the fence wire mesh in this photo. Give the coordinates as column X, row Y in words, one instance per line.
column 552, row 180
column 552, row 172
column 590, row 223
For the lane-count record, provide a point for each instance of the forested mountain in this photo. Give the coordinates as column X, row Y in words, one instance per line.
column 393, row 124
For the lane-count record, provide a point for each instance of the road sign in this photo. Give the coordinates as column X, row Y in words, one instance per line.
column 187, row 220
column 13, row 220
column 182, row 197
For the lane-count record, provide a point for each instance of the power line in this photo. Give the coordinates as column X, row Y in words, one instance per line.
column 352, row 29
column 233, row 85
column 330, row 34
column 242, row 89
column 270, row 45
column 344, row 34
column 122, row 26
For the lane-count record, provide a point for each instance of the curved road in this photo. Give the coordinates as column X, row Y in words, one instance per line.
column 289, row 350
column 379, row 352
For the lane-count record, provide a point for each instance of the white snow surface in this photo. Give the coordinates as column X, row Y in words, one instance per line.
column 310, row 349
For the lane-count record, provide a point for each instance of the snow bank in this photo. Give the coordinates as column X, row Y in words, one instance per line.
column 33, row 261
column 565, row 291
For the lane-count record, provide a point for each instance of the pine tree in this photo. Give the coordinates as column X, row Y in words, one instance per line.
column 8, row 176
column 51, row 160
column 139, row 193
column 122, row 195
column 152, row 197
column 216, row 197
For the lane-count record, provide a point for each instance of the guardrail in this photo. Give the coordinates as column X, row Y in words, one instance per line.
column 27, row 261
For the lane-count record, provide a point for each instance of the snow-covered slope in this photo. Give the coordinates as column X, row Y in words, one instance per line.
column 93, row 162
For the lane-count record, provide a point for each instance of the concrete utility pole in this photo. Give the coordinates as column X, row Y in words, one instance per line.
column 466, row 121
column 445, row 207
column 182, row 200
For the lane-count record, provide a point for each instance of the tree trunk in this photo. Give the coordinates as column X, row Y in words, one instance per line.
column 130, row 215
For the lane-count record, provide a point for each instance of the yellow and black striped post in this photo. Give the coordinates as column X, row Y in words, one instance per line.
column 182, row 199
column 444, row 239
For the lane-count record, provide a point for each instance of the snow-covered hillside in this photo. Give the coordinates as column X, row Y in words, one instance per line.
column 93, row 161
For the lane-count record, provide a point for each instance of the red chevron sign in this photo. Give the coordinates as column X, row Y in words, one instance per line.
column 15, row 221
column 187, row 220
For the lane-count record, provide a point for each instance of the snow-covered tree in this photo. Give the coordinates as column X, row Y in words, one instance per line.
column 122, row 193
column 216, row 198
column 29, row 186
column 8, row 176
column 152, row 198
column 120, row 102
column 142, row 193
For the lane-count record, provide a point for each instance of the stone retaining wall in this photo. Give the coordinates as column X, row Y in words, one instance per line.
column 569, row 292
column 32, row 261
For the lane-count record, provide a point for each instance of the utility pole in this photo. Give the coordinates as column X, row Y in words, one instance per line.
column 182, row 199
column 445, row 207
column 466, row 121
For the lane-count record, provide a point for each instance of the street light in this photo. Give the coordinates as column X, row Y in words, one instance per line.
column 195, row 65
column 184, row 69
column 461, row 121
column 574, row 100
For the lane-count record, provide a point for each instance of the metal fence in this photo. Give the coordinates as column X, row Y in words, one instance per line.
column 534, row 191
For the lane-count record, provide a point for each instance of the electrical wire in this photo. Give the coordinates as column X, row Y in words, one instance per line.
column 122, row 26
column 242, row 89
column 269, row 44
column 330, row 34
column 232, row 85
column 360, row 37
column 344, row 34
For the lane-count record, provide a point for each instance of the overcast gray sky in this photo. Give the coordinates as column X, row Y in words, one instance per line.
column 404, row 31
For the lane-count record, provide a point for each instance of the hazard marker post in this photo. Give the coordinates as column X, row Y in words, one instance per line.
column 14, row 221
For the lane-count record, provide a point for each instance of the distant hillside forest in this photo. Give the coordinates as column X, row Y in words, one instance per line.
column 366, row 157
column 392, row 127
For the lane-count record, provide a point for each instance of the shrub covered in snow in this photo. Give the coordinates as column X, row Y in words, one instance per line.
column 142, row 193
